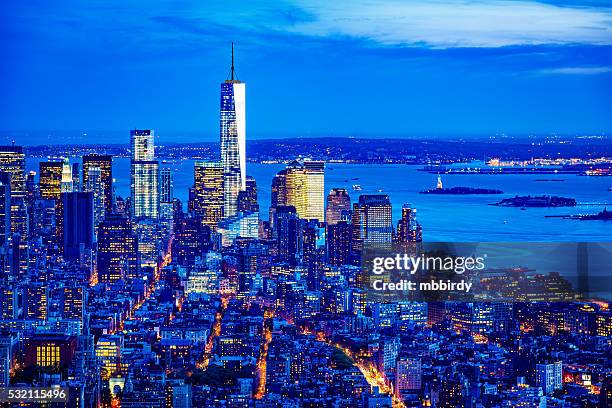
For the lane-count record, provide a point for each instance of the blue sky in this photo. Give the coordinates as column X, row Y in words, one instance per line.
column 313, row 68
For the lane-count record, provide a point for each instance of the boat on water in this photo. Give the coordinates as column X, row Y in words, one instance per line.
column 357, row 187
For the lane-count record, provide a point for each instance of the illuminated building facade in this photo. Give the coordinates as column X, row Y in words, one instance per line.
column 105, row 164
column 244, row 224
column 95, row 185
column 67, row 183
column 233, row 140
column 408, row 229
column 117, row 249
column 208, row 193
column 301, row 185
column 49, row 180
column 372, row 223
column 52, row 351
column 145, row 175
column 338, row 206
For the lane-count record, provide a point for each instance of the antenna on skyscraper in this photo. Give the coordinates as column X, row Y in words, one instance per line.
column 232, row 60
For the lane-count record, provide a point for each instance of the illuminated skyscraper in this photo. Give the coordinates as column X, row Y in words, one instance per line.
column 5, row 213
column 66, row 185
column 49, row 180
column 145, row 176
column 105, row 164
column 208, row 193
column 166, row 185
column 549, row 377
column 301, row 185
column 338, row 239
column 247, row 199
column 372, row 223
column 233, row 140
column 143, row 145
column 117, row 249
column 338, row 206
column 96, row 187
column 12, row 160
column 408, row 229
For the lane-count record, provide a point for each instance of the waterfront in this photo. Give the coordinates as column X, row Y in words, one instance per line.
column 460, row 218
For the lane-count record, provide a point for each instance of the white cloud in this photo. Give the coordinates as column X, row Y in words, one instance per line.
column 461, row 23
column 577, row 70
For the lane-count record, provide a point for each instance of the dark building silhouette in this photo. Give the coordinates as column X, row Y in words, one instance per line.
column 191, row 240
column 78, row 223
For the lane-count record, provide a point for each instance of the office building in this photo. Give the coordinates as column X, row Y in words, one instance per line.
column 247, row 199
column 49, row 180
column 207, row 202
column 117, row 249
column 67, row 183
column 549, row 377
column 78, row 224
column 233, row 140
column 301, row 185
column 144, row 175
column 105, row 164
column 95, row 185
column 338, row 206
column 372, row 222
column 166, row 183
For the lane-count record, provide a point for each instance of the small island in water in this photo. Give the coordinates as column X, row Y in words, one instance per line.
column 605, row 215
column 459, row 190
column 537, row 201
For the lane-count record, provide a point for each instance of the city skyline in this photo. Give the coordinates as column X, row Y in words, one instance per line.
column 502, row 76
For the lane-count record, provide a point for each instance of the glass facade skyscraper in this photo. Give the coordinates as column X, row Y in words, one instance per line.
column 105, row 164
column 145, row 175
column 233, row 140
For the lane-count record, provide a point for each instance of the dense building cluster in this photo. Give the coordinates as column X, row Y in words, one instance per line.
column 143, row 301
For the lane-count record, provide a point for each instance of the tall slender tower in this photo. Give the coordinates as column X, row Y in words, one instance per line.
column 145, row 175
column 233, row 140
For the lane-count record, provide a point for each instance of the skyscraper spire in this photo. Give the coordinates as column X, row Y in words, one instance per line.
column 232, row 60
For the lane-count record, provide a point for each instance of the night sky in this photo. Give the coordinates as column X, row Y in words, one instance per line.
column 384, row 68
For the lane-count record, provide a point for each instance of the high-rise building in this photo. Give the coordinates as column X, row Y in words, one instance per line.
column 372, row 222
column 95, row 185
column 117, row 249
column 338, row 206
column 208, row 199
column 191, row 239
column 247, row 199
column 144, row 175
column 5, row 211
column 166, row 191
column 288, row 234
column 233, row 140
column 76, row 177
column 339, row 238
column 549, row 377
column 243, row 224
column 12, row 160
column 301, row 185
column 36, row 302
column 73, row 302
column 66, row 185
column 49, row 180
column 408, row 375
column 408, row 229
column 78, row 223
column 142, row 144
column 105, row 164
